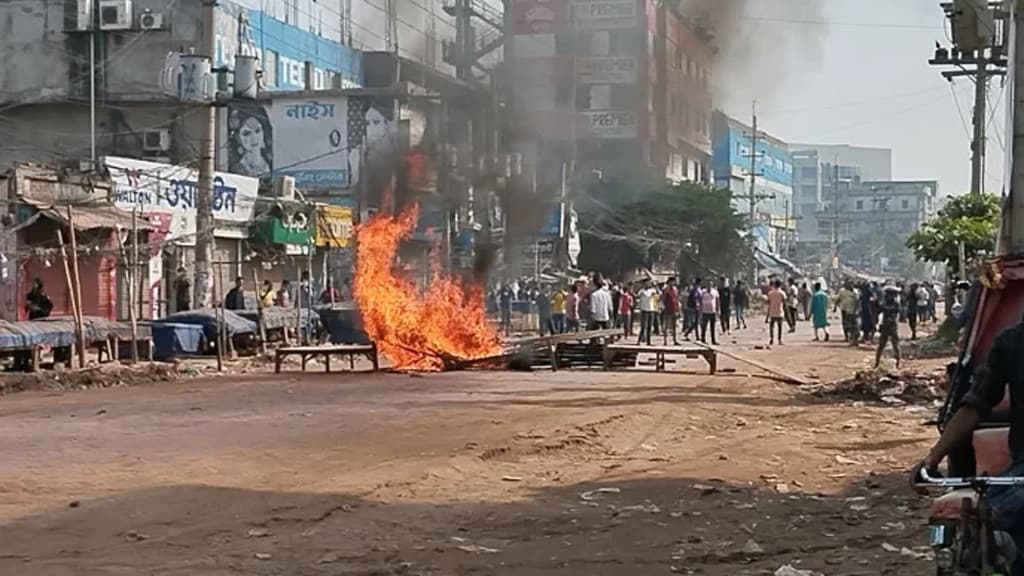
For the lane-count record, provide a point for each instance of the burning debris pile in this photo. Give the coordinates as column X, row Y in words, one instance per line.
column 894, row 388
column 427, row 332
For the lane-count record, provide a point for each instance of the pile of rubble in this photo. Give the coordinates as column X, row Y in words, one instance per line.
column 98, row 376
column 893, row 388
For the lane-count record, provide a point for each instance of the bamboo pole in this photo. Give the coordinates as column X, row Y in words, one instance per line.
column 218, row 312
column 77, row 293
column 133, row 271
column 259, row 312
column 71, row 294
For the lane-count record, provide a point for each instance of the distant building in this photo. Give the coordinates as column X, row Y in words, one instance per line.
column 874, row 218
column 774, row 222
column 819, row 172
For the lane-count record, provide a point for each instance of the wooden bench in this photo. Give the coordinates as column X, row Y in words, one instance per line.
column 660, row 353
column 306, row 352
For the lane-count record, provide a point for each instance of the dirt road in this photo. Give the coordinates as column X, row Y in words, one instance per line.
column 464, row 473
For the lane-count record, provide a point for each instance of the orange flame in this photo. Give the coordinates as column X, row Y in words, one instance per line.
column 414, row 332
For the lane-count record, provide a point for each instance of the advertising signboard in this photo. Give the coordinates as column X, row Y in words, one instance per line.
column 607, row 124
column 604, row 14
column 606, row 70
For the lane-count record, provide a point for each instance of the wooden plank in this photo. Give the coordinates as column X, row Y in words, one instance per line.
column 775, row 373
column 340, row 349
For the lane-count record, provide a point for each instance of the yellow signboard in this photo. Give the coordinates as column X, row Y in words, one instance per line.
column 333, row 226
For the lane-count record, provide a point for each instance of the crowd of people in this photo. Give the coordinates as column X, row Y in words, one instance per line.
column 704, row 309
column 643, row 309
column 285, row 295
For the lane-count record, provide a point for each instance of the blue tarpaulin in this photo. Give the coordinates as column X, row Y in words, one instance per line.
column 206, row 318
column 24, row 335
column 172, row 340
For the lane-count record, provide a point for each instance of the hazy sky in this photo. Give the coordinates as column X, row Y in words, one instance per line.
column 868, row 83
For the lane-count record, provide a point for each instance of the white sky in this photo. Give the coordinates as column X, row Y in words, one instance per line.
column 871, row 86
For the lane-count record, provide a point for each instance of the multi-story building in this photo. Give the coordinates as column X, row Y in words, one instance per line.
column 874, row 219
column 736, row 162
column 819, row 171
column 626, row 80
column 603, row 87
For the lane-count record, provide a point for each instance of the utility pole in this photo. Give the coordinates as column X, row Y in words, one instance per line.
column 1012, row 237
column 752, row 197
column 204, row 195
column 979, row 52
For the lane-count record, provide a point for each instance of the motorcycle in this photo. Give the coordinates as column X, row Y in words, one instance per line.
column 961, row 530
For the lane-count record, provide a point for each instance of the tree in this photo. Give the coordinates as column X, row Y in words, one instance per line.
column 972, row 220
column 689, row 227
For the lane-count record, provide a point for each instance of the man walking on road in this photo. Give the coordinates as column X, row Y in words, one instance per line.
column 725, row 304
column 670, row 304
column 709, row 313
column 889, row 331
column 776, row 311
column 792, row 305
column 740, row 300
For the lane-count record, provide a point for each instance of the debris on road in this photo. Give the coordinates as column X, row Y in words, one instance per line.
column 788, row 570
column 475, row 549
column 892, row 388
column 589, row 495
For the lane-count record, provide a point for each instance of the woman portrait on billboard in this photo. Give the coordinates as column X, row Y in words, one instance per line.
column 372, row 136
column 250, row 141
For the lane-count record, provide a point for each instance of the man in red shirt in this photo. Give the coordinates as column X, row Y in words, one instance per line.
column 670, row 307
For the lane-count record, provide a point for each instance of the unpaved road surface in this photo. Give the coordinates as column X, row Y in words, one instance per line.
column 580, row 472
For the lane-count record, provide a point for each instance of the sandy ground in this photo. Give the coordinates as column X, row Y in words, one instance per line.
column 580, row 472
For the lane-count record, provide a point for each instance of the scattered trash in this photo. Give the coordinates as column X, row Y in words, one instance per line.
column 329, row 559
column 133, row 536
column 752, row 548
column 891, row 388
column 590, row 494
column 258, row 533
column 511, row 478
column 262, row 556
column 74, row 504
column 475, row 549
column 705, row 489
column 788, row 570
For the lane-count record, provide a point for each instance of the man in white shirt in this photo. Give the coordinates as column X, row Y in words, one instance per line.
column 648, row 311
column 600, row 305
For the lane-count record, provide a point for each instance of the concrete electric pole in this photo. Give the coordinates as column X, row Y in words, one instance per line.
column 979, row 52
column 204, row 193
column 1011, row 239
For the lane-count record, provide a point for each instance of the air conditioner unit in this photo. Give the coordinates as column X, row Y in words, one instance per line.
column 115, row 14
column 151, row 21
column 284, row 187
column 83, row 15
column 156, row 140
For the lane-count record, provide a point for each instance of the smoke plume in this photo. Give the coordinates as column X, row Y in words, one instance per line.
column 759, row 41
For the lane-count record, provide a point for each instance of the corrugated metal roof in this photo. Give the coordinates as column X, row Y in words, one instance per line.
column 91, row 216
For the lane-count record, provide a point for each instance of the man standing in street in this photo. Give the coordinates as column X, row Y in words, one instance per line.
column 776, row 311
column 670, row 305
column 543, row 302
column 693, row 308
column 819, row 311
column 647, row 311
column 847, row 303
column 505, row 303
column 182, row 291
column 725, row 304
column 601, row 307
column 572, row 309
column 558, row 310
column 792, row 305
column 626, row 310
column 235, row 299
column 709, row 313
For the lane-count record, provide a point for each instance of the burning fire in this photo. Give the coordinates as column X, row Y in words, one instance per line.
column 416, row 332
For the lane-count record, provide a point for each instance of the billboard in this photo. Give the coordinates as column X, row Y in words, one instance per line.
column 539, row 16
column 607, row 124
column 606, row 70
column 321, row 142
column 604, row 14
column 166, row 195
